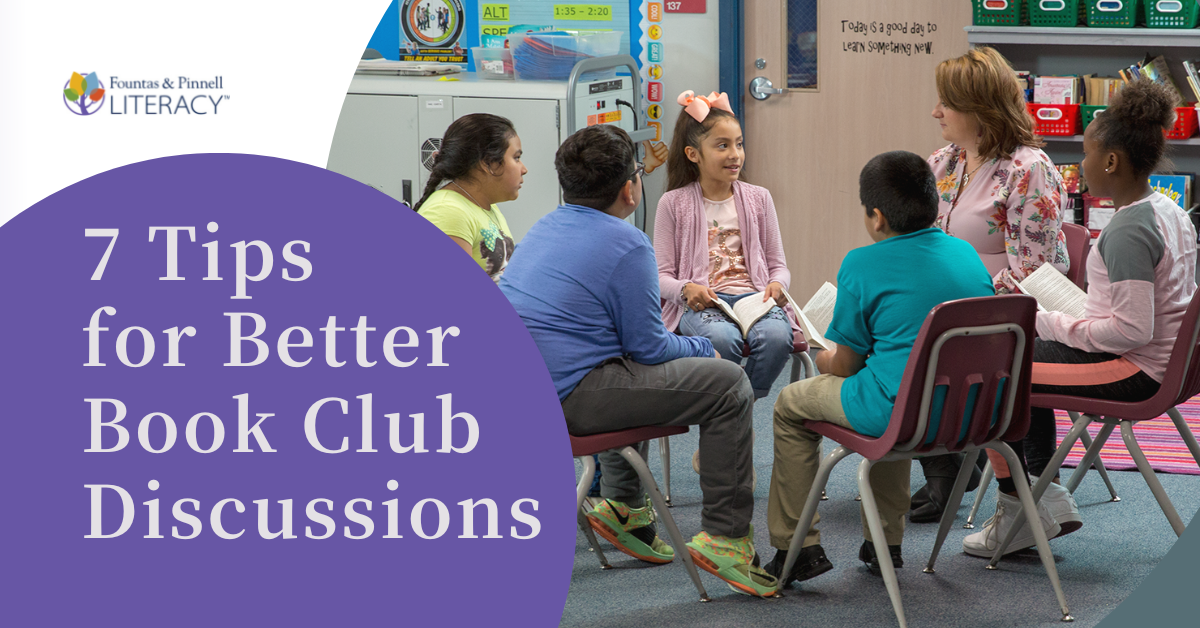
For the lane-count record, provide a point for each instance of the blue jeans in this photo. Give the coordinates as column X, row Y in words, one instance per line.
column 770, row 341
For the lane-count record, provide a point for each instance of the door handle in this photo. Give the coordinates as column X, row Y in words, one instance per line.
column 761, row 88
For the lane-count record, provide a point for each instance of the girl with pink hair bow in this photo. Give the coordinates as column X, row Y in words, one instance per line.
column 717, row 237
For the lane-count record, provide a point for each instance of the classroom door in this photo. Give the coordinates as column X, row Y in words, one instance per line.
column 870, row 67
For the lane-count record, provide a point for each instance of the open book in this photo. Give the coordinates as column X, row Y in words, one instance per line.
column 814, row 317
column 1054, row 292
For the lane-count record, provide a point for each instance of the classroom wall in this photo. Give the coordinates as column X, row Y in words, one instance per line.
column 691, row 61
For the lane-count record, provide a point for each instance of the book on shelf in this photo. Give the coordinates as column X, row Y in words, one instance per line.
column 1100, row 89
column 1193, row 78
column 1054, row 292
column 814, row 317
column 1176, row 186
column 1056, row 90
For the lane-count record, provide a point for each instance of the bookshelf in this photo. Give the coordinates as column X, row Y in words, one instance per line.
column 1100, row 51
column 1084, row 36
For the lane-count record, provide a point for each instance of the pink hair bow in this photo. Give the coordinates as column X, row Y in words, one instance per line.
column 699, row 106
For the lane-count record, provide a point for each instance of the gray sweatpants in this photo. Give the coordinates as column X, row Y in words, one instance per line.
column 712, row 393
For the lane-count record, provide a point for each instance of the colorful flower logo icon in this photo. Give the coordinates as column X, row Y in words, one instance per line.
column 83, row 95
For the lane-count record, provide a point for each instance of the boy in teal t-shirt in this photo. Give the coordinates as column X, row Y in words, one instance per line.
column 885, row 291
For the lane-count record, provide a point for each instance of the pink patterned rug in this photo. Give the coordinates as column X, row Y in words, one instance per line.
column 1158, row 438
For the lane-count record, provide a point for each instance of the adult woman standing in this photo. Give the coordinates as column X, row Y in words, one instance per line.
column 998, row 191
column 479, row 164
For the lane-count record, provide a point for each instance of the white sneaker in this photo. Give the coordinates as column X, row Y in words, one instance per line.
column 985, row 542
column 1061, row 505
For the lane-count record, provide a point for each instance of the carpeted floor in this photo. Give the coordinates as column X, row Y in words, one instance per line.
column 1099, row 565
column 1158, row 438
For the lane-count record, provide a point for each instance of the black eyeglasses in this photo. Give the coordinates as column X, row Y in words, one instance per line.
column 638, row 171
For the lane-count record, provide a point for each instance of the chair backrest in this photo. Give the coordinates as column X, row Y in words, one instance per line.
column 967, row 379
column 1181, row 381
column 1079, row 243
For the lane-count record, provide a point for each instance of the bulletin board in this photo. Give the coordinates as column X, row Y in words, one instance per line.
column 497, row 18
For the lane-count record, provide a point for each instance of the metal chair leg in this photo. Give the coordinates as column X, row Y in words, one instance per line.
column 636, row 461
column 956, row 495
column 1143, row 465
column 804, row 523
column 1086, row 439
column 581, row 491
column 986, row 480
column 664, row 452
column 1028, row 504
column 878, row 539
column 797, row 367
column 1089, row 457
column 1188, row 438
column 1052, row 468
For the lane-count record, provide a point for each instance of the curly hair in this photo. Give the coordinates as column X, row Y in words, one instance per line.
column 1133, row 123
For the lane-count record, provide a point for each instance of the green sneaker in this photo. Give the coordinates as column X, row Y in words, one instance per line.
column 734, row 561
column 630, row 530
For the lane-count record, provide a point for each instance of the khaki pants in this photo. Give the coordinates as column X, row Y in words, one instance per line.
column 797, row 456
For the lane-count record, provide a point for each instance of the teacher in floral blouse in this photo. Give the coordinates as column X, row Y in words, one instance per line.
column 998, row 191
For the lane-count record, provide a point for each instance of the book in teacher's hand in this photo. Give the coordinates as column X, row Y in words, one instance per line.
column 814, row 317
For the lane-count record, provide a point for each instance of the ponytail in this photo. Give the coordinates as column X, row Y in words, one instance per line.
column 470, row 140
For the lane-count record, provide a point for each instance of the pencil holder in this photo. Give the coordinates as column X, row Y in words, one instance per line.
column 1061, row 13
column 1055, row 119
column 1000, row 12
column 1171, row 13
column 1185, row 124
column 1088, row 113
column 1112, row 13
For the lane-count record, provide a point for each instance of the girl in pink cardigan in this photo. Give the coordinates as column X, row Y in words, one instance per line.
column 716, row 237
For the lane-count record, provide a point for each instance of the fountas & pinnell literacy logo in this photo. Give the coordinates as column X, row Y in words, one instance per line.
column 86, row 94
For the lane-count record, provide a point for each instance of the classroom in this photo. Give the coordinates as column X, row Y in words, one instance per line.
column 960, row 232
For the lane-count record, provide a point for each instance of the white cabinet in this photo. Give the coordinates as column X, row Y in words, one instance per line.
column 374, row 153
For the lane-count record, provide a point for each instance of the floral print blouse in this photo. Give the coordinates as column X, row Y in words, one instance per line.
column 1011, row 211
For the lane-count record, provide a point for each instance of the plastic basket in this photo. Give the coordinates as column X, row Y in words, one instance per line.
column 1088, row 113
column 1112, row 13
column 552, row 55
column 999, row 12
column 493, row 63
column 1171, row 13
column 1062, row 13
column 1055, row 119
column 1185, row 124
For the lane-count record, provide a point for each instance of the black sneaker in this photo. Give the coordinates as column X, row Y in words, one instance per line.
column 866, row 553
column 809, row 564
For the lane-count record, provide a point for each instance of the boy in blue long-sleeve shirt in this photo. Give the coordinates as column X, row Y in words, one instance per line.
column 585, row 283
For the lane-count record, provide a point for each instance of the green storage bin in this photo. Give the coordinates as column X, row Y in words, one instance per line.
column 1061, row 13
column 1000, row 12
column 1089, row 113
column 1113, row 13
column 1171, row 13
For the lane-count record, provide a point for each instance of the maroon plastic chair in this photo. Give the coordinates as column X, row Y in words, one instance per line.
column 1180, row 383
column 625, row 441
column 1079, row 243
column 965, row 387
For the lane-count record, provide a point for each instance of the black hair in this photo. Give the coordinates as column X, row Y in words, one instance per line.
column 901, row 186
column 470, row 140
column 594, row 164
column 1133, row 123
